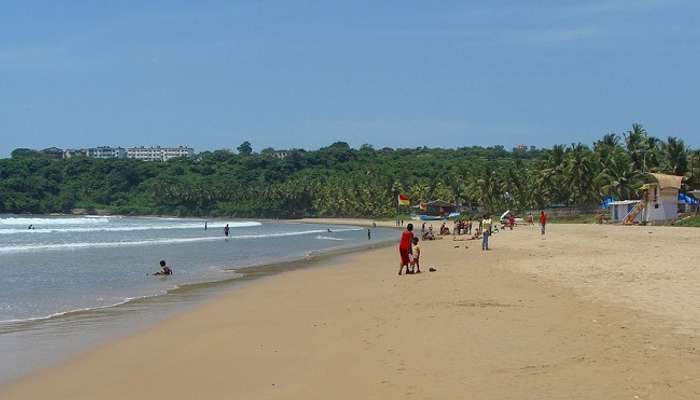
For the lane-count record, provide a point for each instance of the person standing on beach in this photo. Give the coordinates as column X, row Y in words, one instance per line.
column 486, row 232
column 226, row 231
column 369, row 234
column 415, row 256
column 543, row 222
column 405, row 247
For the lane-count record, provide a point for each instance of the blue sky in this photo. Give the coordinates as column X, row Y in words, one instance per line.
column 212, row 74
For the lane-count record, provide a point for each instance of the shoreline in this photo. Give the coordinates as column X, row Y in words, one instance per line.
column 518, row 314
column 172, row 301
column 244, row 273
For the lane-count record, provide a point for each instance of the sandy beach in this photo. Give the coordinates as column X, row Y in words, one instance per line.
column 366, row 222
column 592, row 312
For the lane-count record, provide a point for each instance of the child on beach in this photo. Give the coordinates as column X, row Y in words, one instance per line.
column 415, row 257
column 405, row 247
column 164, row 269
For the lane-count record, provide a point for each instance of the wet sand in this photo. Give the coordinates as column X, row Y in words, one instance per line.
column 592, row 312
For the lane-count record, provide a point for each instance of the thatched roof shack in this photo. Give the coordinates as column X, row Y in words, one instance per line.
column 662, row 197
column 665, row 182
column 437, row 207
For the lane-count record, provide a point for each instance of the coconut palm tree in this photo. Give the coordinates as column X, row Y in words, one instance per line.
column 675, row 156
column 579, row 173
column 619, row 179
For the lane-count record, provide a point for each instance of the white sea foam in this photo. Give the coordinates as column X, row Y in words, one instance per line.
column 26, row 221
column 232, row 225
column 83, row 245
column 320, row 237
column 79, row 310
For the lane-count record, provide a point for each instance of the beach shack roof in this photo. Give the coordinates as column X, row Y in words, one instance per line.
column 667, row 181
column 623, row 202
column 439, row 203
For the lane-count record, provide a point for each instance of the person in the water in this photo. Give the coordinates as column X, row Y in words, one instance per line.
column 226, row 231
column 164, row 269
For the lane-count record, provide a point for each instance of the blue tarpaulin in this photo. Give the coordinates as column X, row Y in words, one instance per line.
column 687, row 199
column 606, row 202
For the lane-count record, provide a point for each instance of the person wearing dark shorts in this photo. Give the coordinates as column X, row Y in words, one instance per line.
column 405, row 247
column 543, row 222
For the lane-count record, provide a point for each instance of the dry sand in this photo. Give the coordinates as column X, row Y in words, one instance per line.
column 589, row 313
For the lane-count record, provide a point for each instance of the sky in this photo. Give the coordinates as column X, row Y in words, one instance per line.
column 283, row 74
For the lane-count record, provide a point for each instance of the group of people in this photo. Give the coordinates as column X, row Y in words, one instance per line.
column 409, row 251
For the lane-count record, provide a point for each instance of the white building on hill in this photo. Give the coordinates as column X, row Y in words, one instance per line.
column 159, row 153
column 96, row 152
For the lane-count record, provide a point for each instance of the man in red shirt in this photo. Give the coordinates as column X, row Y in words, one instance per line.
column 405, row 247
column 543, row 222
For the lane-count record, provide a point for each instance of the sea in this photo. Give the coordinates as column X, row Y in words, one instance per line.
column 67, row 283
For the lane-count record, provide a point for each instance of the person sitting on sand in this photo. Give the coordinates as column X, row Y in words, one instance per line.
column 415, row 256
column 405, row 247
column 165, row 270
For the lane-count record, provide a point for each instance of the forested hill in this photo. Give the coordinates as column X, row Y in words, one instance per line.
column 340, row 181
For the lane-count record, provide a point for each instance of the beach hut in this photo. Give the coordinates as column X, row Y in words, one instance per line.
column 659, row 202
column 662, row 198
column 437, row 208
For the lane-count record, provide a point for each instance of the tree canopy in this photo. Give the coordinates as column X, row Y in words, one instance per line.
column 338, row 180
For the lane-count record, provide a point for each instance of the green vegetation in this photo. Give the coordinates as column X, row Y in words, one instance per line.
column 340, row 181
column 693, row 221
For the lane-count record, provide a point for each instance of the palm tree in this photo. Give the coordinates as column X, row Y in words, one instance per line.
column 579, row 173
column 642, row 148
column 551, row 181
column 606, row 147
column 619, row 179
column 675, row 156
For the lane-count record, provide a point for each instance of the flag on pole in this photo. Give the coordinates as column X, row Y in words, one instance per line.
column 404, row 200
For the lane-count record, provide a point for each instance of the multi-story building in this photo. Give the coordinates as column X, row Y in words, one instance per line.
column 280, row 154
column 107, row 152
column 159, row 153
column 96, row 152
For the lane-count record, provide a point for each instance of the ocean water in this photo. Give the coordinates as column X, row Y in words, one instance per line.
column 73, row 277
